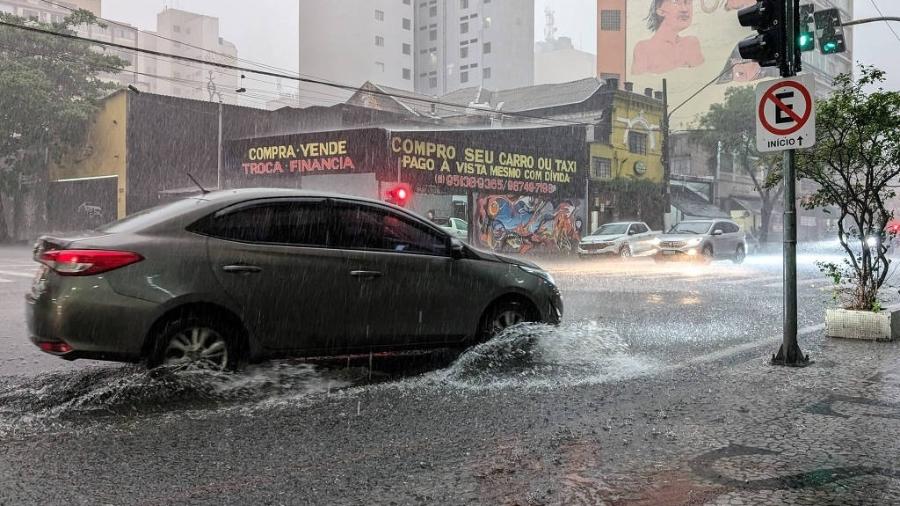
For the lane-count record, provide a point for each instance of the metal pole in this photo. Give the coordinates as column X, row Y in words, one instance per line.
column 219, row 166
column 667, row 169
column 789, row 354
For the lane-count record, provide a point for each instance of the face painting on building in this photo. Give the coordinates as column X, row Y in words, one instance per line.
column 524, row 224
column 666, row 49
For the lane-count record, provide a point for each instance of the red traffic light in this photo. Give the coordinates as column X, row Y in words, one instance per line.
column 398, row 194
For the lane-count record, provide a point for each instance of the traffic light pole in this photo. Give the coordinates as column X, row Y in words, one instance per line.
column 790, row 354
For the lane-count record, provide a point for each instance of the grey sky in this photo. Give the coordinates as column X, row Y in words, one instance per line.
column 266, row 30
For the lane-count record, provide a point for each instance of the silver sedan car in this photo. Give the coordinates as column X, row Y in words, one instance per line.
column 241, row 275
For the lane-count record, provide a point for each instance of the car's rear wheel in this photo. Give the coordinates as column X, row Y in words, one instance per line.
column 739, row 255
column 195, row 342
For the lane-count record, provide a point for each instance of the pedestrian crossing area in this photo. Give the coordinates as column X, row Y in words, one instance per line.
column 725, row 276
column 16, row 272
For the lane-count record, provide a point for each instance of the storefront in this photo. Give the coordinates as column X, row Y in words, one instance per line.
column 521, row 190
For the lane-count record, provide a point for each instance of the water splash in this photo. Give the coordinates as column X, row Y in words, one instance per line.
column 536, row 355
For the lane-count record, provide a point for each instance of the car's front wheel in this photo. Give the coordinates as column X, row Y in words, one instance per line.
column 195, row 342
column 504, row 315
column 625, row 252
column 707, row 254
column 739, row 255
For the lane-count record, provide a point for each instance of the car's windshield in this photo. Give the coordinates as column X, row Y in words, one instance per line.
column 691, row 227
column 612, row 229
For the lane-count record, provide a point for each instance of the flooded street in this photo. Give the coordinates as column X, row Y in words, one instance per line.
column 651, row 365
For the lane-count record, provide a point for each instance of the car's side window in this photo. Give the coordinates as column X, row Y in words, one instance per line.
column 294, row 223
column 733, row 228
column 719, row 226
column 462, row 225
column 639, row 228
column 359, row 226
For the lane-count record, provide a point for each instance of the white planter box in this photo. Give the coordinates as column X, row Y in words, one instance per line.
column 880, row 326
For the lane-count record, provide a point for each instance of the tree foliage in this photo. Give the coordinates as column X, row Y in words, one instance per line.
column 732, row 125
column 51, row 90
column 856, row 164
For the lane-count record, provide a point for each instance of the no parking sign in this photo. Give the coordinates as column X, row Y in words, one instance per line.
column 785, row 114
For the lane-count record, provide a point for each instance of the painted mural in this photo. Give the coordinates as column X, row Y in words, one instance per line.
column 525, row 224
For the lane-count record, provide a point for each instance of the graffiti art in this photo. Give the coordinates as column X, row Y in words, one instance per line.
column 526, row 224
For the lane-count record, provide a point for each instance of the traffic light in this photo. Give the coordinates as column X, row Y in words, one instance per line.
column 767, row 48
column 398, row 194
column 831, row 38
column 806, row 39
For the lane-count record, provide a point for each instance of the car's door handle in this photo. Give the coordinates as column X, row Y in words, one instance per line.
column 365, row 274
column 242, row 269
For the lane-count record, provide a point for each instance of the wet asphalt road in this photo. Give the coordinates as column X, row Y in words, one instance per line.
column 423, row 429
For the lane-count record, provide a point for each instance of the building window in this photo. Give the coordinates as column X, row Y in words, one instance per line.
column 432, row 34
column 601, row 168
column 379, row 41
column 637, row 142
column 610, row 21
column 464, row 76
column 379, row 66
column 464, row 27
column 463, row 4
column 432, row 11
column 406, row 2
column 486, row 73
column 486, row 48
column 432, row 82
column 407, row 49
column 379, row 15
column 464, row 52
column 407, row 24
column 407, row 74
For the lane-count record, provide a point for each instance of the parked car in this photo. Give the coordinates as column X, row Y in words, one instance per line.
column 246, row 274
column 457, row 227
column 623, row 239
column 705, row 240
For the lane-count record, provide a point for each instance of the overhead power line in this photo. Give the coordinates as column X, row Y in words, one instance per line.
column 891, row 28
column 301, row 79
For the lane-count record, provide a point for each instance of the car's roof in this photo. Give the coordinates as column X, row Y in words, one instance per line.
column 241, row 194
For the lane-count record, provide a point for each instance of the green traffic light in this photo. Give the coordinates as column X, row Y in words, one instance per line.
column 806, row 42
column 829, row 47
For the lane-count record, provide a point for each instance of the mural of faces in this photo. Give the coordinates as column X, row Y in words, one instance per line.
column 666, row 50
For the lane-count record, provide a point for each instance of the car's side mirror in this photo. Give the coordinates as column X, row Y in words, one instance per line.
column 717, row 232
column 631, row 232
column 457, row 248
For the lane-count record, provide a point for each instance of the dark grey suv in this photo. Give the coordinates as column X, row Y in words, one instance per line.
column 241, row 275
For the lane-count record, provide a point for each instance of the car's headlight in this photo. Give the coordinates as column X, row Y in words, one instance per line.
column 694, row 242
column 539, row 273
column 657, row 241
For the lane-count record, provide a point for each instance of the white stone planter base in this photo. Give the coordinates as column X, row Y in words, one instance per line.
column 881, row 326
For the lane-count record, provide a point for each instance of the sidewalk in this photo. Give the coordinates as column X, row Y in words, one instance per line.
column 739, row 431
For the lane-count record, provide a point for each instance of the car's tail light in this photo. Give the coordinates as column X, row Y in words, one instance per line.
column 54, row 347
column 85, row 262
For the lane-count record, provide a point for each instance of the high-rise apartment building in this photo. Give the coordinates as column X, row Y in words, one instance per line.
column 118, row 33
column 196, row 36
column 463, row 43
column 350, row 42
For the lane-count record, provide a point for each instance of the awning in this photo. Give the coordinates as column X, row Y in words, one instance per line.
column 694, row 207
column 754, row 206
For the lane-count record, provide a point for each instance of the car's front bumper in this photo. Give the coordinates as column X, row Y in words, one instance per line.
column 685, row 253
column 590, row 250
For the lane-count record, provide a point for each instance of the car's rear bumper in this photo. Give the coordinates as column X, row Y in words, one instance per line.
column 99, row 324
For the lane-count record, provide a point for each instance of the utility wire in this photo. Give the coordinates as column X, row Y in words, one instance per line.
column 891, row 28
column 345, row 87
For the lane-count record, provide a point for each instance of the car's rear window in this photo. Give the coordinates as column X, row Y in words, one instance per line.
column 151, row 216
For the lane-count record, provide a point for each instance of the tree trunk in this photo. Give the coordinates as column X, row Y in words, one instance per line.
column 4, row 232
column 765, row 217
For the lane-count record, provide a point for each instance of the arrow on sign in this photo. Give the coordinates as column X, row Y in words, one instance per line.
column 800, row 140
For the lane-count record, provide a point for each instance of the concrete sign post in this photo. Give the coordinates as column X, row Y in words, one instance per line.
column 785, row 114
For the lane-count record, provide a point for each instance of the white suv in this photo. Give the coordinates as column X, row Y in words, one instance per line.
column 703, row 239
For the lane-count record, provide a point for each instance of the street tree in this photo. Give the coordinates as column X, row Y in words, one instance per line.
column 731, row 127
column 51, row 90
column 855, row 164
